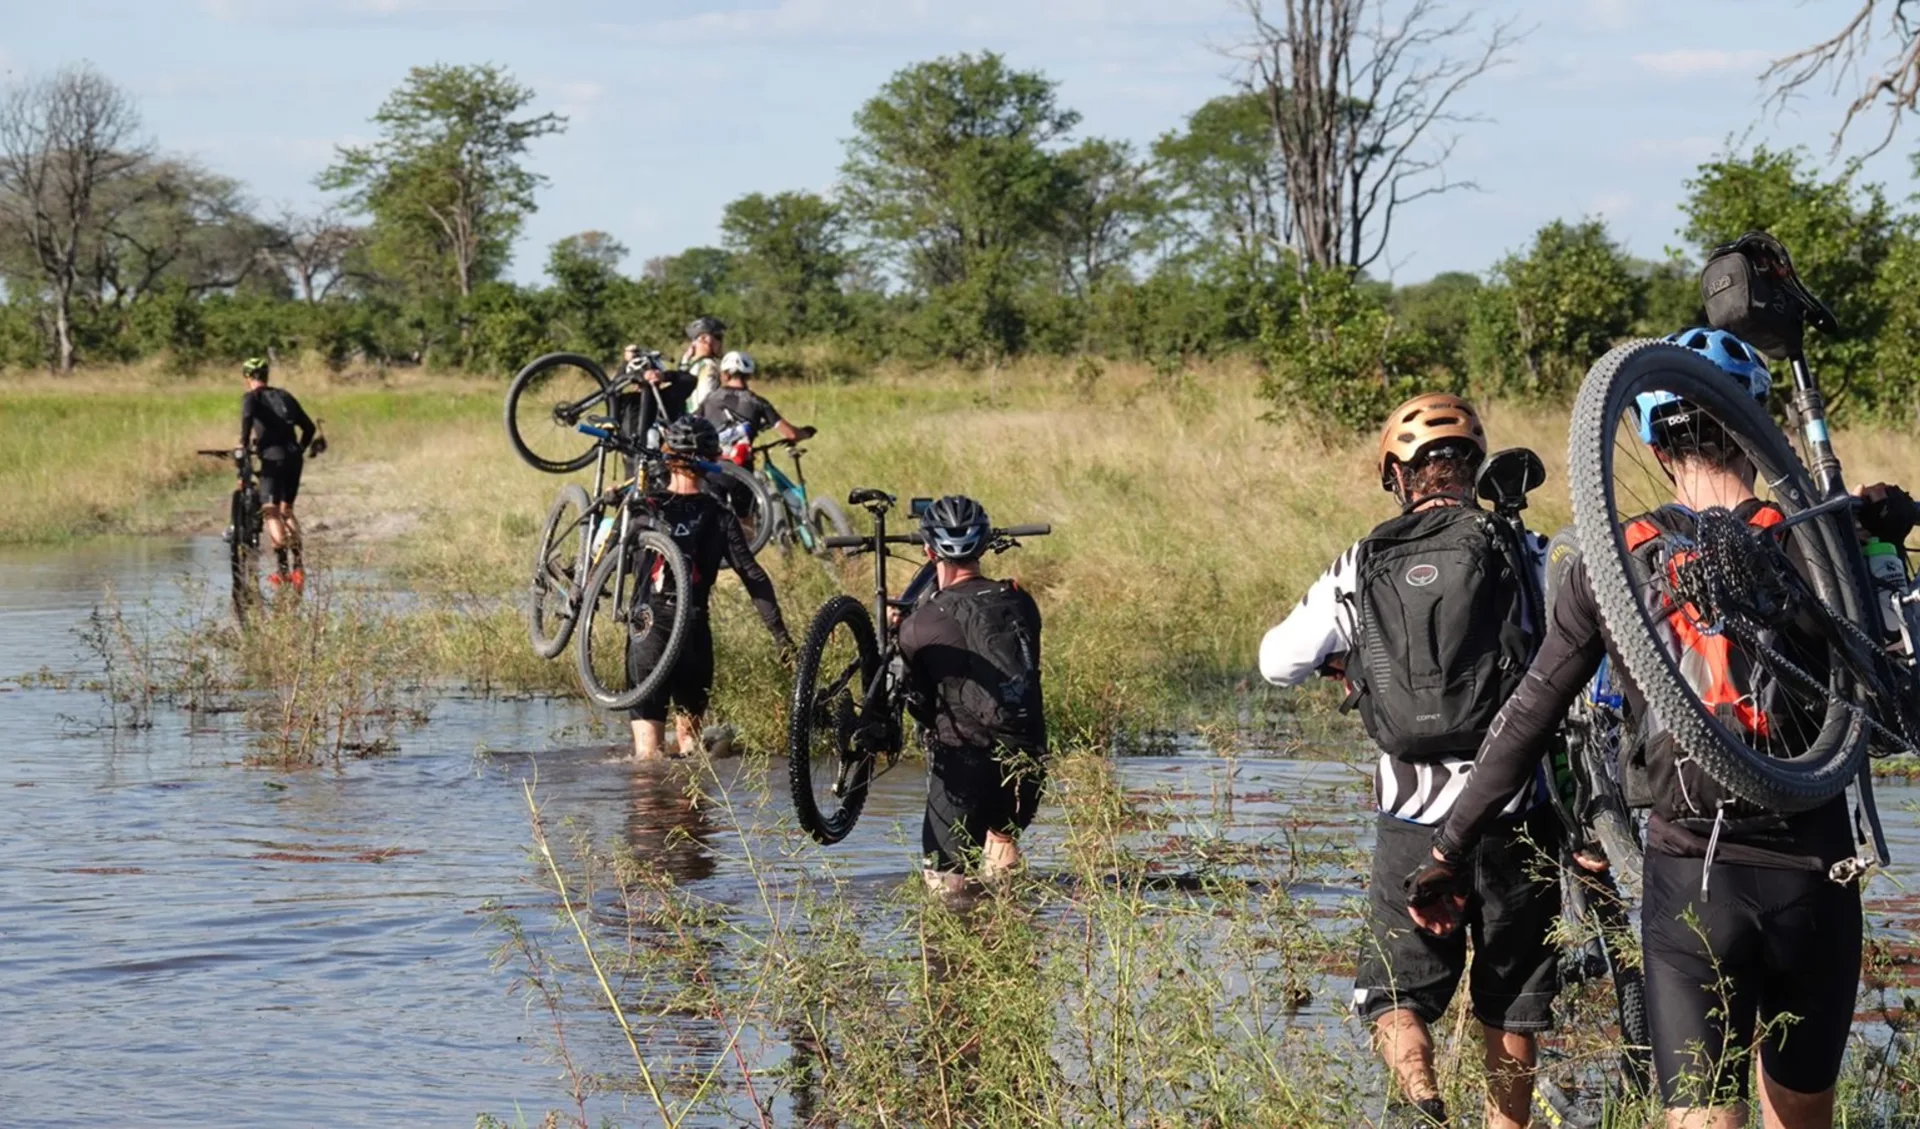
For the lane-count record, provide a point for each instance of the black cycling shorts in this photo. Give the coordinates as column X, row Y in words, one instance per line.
column 1510, row 912
column 280, row 476
column 689, row 685
column 973, row 791
column 1767, row 943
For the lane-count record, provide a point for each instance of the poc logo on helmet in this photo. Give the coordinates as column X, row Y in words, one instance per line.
column 1421, row 575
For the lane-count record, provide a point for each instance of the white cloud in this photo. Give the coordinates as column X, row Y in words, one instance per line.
column 1691, row 62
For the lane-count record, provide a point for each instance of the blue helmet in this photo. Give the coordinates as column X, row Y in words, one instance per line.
column 1733, row 356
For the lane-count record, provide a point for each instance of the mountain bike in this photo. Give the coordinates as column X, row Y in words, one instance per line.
column 608, row 572
column 798, row 518
column 1797, row 603
column 845, row 723
column 244, row 524
column 554, row 394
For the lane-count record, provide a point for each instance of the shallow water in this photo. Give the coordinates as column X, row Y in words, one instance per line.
column 191, row 941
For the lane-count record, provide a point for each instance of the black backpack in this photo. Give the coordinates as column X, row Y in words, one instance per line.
column 1440, row 605
column 998, row 703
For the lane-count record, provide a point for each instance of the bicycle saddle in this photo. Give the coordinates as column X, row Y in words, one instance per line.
column 867, row 495
column 1770, row 257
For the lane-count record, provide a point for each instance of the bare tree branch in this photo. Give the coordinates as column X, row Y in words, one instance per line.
column 64, row 140
column 1895, row 85
column 1360, row 94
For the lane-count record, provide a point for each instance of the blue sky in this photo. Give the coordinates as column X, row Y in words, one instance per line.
column 679, row 106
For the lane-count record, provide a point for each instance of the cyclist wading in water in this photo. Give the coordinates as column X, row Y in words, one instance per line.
column 1440, row 596
column 1740, row 922
column 277, row 428
column 711, row 538
column 972, row 651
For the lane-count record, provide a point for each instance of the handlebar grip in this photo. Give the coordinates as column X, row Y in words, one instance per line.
column 848, row 542
column 1039, row 529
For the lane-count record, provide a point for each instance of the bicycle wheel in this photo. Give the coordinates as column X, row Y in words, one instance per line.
column 243, row 551
column 545, row 401
column 826, row 519
column 1733, row 584
column 559, row 567
column 746, row 496
column 830, row 746
column 640, row 586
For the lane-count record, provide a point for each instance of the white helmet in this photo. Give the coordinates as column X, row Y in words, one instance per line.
column 737, row 363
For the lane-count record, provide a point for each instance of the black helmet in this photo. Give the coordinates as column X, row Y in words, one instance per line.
column 705, row 324
column 692, row 436
column 955, row 528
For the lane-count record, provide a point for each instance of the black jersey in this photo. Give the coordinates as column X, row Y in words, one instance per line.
column 273, row 423
column 710, row 537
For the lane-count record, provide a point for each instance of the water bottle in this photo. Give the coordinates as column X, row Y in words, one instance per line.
column 600, row 536
column 1889, row 583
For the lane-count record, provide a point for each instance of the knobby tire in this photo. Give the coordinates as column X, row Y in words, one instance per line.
column 605, row 614
column 1834, row 757
column 806, row 717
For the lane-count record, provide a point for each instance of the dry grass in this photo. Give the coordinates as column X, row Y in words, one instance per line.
column 1185, row 523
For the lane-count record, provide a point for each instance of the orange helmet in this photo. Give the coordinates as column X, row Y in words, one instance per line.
column 1423, row 421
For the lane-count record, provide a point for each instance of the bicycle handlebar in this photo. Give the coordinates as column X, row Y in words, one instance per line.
column 1038, row 529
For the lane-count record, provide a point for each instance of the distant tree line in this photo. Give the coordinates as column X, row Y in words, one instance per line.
column 971, row 223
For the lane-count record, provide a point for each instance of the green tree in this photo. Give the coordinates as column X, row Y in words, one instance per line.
column 1441, row 309
column 707, row 272
column 1840, row 233
column 951, row 177
column 1550, row 313
column 1339, row 360
column 586, row 276
column 1225, row 183
column 1104, row 214
column 444, row 185
column 789, row 255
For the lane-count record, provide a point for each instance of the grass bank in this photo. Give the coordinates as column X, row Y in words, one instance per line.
column 1185, row 522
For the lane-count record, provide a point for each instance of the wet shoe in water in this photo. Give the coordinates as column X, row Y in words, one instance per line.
column 1428, row 1114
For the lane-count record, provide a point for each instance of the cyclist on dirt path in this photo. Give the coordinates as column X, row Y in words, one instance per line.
column 972, row 651
column 277, row 428
column 706, row 341
column 711, row 537
column 1770, row 935
column 1430, row 451
column 735, row 404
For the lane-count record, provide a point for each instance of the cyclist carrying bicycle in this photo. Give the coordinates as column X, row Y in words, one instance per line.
column 972, row 651
column 1740, row 921
column 277, row 428
column 711, row 538
column 1449, row 567
column 706, row 341
column 735, row 405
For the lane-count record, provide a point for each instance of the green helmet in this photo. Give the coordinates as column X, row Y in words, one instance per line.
column 254, row 368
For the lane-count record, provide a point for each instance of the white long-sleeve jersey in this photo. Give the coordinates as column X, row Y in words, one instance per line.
column 1319, row 628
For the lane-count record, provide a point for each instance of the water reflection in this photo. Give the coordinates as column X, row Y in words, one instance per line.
column 669, row 824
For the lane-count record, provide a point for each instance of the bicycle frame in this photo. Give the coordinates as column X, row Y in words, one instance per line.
column 792, row 492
